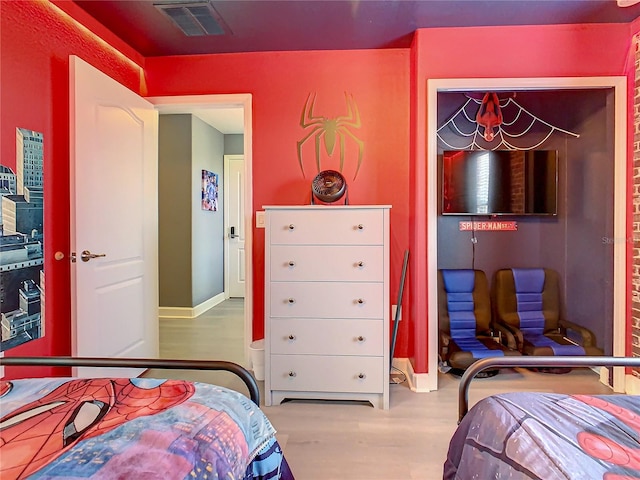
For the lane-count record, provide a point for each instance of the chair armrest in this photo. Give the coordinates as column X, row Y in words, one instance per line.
column 515, row 333
column 588, row 337
column 508, row 337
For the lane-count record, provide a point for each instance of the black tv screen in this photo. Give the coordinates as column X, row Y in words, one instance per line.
column 499, row 182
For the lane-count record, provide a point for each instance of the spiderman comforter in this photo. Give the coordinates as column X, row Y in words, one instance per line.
column 133, row 429
column 548, row 436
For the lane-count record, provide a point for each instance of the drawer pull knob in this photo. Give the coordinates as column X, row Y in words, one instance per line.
column 360, row 226
column 292, row 226
column 292, row 374
column 292, row 263
column 360, row 264
column 360, row 301
column 292, row 337
column 361, row 338
column 362, row 376
column 291, row 300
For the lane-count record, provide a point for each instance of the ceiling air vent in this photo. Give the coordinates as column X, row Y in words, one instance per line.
column 194, row 18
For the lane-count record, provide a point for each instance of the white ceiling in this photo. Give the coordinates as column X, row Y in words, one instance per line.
column 227, row 120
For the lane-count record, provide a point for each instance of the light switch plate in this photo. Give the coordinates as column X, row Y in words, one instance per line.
column 260, row 219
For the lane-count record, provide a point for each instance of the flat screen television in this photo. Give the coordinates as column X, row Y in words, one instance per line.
column 499, row 182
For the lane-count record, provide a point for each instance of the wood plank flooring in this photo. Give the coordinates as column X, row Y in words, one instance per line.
column 326, row 440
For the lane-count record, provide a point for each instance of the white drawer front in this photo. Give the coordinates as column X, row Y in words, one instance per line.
column 327, row 300
column 326, row 337
column 328, row 227
column 327, row 374
column 326, row 263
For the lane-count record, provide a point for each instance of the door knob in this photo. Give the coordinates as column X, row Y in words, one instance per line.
column 232, row 234
column 86, row 255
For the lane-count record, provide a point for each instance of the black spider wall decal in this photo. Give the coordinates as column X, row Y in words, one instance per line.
column 330, row 131
column 497, row 123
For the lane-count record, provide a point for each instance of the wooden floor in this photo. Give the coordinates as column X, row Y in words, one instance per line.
column 325, row 440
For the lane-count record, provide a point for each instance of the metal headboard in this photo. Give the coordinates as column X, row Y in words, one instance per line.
column 234, row 368
column 534, row 361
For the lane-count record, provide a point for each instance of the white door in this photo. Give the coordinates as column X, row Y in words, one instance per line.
column 234, row 214
column 114, row 211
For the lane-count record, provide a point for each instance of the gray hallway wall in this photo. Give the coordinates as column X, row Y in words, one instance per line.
column 174, row 210
column 234, row 144
column 207, row 229
column 191, row 253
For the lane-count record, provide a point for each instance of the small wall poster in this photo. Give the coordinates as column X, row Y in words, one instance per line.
column 209, row 191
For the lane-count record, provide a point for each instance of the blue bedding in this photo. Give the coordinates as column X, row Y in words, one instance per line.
column 119, row 428
column 548, row 436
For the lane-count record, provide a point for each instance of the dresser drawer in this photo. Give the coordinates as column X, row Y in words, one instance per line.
column 326, row 337
column 326, row 227
column 326, row 300
column 316, row 373
column 363, row 263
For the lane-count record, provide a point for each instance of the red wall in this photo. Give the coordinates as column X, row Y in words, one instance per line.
column 35, row 95
column 280, row 83
column 389, row 88
column 36, row 40
column 490, row 52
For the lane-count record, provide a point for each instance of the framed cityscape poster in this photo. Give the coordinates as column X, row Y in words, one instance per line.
column 21, row 245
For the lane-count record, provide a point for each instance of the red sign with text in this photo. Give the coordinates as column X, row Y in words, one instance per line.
column 489, row 226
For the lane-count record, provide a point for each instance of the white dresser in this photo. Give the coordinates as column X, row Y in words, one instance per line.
column 327, row 303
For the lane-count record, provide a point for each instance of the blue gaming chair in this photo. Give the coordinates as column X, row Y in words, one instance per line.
column 464, row 313
column 527, row 302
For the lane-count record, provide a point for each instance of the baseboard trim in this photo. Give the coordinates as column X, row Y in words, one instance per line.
column 632, row 385
column 418, row 382
column 190, row 312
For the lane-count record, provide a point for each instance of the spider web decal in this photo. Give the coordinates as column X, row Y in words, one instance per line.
column 517, row 122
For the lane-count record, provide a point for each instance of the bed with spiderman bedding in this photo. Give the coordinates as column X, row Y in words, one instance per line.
column 536, row 435
column 135, row 428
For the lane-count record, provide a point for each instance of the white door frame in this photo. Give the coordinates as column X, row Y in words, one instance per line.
column 243, row 100
column 619, row 84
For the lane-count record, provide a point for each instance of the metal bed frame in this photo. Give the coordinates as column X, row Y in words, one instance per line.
column 533, row 361
column 234, row 368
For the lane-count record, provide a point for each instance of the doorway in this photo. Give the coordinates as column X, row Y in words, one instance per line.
column 619, row 202
column 232, row 104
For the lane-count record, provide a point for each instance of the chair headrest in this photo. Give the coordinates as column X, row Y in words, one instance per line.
column 528, row 280
column 459, row 281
